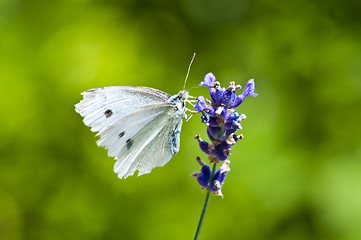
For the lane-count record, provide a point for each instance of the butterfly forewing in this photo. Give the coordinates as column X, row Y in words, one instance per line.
column 102, row 106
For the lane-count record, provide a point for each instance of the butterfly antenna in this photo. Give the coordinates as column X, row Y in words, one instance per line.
column 189, row 69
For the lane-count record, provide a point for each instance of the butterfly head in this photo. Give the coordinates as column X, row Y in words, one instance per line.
column 183, row 95
column 179, row 100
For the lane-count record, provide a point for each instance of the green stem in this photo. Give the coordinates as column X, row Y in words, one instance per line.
column 196, row 235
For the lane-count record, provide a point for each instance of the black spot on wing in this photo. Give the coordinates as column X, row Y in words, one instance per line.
column 129, row 143
column 108, row 113
column 121, row 134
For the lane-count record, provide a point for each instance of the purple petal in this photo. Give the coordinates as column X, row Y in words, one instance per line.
column 209, row 80
column 201, row 103
column 248, row 91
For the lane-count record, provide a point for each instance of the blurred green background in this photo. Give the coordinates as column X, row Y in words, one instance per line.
column 296, row 175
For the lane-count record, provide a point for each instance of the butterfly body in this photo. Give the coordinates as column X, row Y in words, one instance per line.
column 139, row 126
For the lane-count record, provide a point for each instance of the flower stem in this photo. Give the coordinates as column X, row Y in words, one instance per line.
column 196, row 235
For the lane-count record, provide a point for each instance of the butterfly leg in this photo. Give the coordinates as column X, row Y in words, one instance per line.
column 191, row 115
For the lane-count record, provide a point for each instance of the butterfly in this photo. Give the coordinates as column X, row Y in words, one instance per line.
column 139, row 126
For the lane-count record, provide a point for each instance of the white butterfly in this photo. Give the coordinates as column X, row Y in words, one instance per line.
column 139, row 126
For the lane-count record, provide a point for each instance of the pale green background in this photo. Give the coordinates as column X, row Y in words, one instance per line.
column 296, row 175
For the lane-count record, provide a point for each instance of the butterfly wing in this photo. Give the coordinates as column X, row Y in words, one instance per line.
column 143, row 140
column 101, row 107
column 142, row 131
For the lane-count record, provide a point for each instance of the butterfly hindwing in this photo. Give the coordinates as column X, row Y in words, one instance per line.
column 159, row 150
column 141, row 141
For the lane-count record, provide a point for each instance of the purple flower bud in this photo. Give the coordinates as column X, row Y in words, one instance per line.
column 205, row 174
column 230, row 131
column 204, row 146
column 213, row 121
column 222, row 151
column 219, row 177
column 215, row 134
column 217, row 180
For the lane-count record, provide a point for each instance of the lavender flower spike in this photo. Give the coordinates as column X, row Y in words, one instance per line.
column 222, row 121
